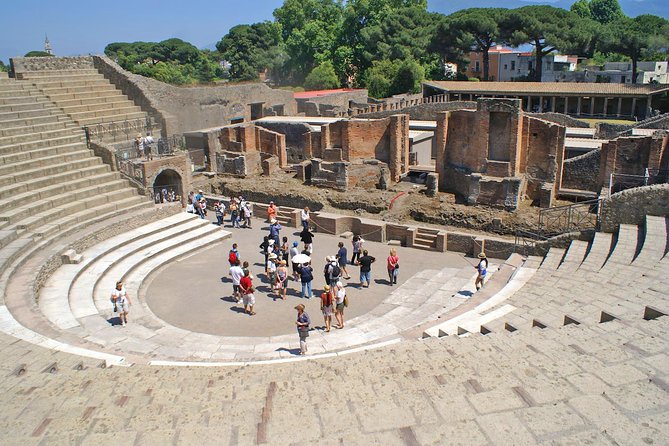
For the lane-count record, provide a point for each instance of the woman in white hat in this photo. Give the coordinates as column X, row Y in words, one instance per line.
column 482, row 269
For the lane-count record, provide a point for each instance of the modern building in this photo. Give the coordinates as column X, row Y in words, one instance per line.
column 577, row 99
column 506, row 64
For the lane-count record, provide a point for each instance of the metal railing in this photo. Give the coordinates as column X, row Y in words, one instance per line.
column 619, row 181
column 525, row 243
column 120, row 130
column 573, row 217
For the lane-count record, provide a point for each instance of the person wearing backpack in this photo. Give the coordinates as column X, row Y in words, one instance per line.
column 326, row 306
column 233, row 255
column 332, row 271
column 306, row 277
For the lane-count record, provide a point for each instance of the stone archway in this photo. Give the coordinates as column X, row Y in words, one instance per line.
column 167, row 186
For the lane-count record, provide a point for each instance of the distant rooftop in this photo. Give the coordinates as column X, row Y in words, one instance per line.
column 545, row 88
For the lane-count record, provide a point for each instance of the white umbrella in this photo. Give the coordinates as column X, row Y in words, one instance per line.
column 301, row 258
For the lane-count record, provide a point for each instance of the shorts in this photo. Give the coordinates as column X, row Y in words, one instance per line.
column 340, row 307
column 249, row 299
column 366, row 277
column 283, row 285
column 122, row 307
column 236, row 289
column 327, row 311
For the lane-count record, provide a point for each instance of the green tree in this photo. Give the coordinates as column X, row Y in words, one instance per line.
column 605, row 11
column 581, row 8
column 482, row 27
column 38, row 54
column 251, row 49
column 409, row 77
column 388, row 77
column 643, row 35
column 547, row 29
column 323, row 77
column 3, row 68
column 450, row 43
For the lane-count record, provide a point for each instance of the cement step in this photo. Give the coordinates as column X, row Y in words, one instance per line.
column 35, row 128
column 55, row 180
column 20, row 210
column 18, row 167
column 38, row 143
column 39, row 136
column 50, row 170
column 41, row 153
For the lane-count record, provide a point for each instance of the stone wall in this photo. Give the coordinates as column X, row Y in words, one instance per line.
column 422, row 112
column 632, row 205
column 631, row 155
column 559, row 118
column 19, row 65
column 104, row 151
column 177, row 163
column 298, row 144
column 330, row 175
column 330, row 104
column 582, row 172
column 187, row 109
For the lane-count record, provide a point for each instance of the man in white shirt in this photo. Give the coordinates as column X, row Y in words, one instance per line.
column 236, row 273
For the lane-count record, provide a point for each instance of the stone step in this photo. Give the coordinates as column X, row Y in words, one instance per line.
column 112, row 118
column 77, row 138
column 37, row 190
column 21, row 166
column 34, row 113
column 50, row 83
column 19, row 210
column 28, row 106
column 50, row 170
column 116, row 109
column 598, row 253
column 55, row 304
column 120, row 270
column 574, row 256
column 33, row 222
column 16, row 93
column 57, row 73
column 35, row 128
column 55, row 180
column 654, row 242
column 100, row 100
column 61, row 77
column 116, row 104
column 7, row 100
column 624, row 249
column 48, row 92
column 40, row 153
column 552, row 259
column 83, row 95
column 33, row 137
column 45, row 118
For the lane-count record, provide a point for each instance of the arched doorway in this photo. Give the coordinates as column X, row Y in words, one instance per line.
column 167, row 187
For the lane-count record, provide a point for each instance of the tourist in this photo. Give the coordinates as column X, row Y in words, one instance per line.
column 482, row 268
column 203, row 207
column 365, row 263
column 263, row 248
column 246, row 286
column 236, row 273
column 304, row 216
column 189, row 206
column 342, row 259
column 139, row 146
column 393, row 264
column 282, row 279
column 234, row 213
column 271, row 212
column 199, row 195
column 146, row 143
column 233, row 255
column 306, row 277
column 332, row 271
column 121, row 301
column 308, row 239
column 357, row 248
column 326, row 306
column 219, row 210
column 271, row 270
column 246, row 214
column 284, row 251
column 340, row 303
column 293, row 252
column 270, row 251
column 302, row 323
column 274, row 230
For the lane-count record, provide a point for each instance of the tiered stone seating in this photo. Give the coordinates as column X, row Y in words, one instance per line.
column 85, row 96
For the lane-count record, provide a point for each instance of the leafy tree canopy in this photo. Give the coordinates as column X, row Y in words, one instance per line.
column 323, row 77
column 38, row 54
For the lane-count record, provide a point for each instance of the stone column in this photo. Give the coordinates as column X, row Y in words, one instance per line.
column 541, row 104
column 566, row 105
column 620, row 107
column 633, row 107
column 440, row 138
column 578, row 106
column 553, row 99
column 592, row 105
column 528, row 105
column 606, row 106
column 399, row 146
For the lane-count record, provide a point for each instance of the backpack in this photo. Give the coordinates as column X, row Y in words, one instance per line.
column 232, row 258
column 328, row 299
column 335, row 271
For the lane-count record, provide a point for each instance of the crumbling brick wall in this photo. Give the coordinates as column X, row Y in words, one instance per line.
column 582, row 172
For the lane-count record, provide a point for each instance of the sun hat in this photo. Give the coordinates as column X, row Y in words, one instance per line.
column 270, row 241
column 482, row 255
column 326, row 288
column 272, row 256
column 283, row 262
column 273, row 220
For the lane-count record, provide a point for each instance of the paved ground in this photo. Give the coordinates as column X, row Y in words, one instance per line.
column 195, row 293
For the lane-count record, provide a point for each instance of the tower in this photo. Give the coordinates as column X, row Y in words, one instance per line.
column 47, row 45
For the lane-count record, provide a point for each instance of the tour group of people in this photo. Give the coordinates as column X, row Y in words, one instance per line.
column 278, row 254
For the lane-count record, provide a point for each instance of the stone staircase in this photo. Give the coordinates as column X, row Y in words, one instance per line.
column 425, row 239
column 85, row 95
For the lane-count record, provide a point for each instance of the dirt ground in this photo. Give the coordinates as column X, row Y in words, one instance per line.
column 403, row 202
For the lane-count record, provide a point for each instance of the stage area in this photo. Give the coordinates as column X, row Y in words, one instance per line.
column 195, row 293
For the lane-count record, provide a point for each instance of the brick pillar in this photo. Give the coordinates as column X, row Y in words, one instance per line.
column 281, row 150
column 325, row 137
column 440, row 138
column 399, row 146
column 607, row 163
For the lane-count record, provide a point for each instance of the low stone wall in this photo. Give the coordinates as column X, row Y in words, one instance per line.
column 106, row 152
column 582, row 172
column 422, row 112
column 19, row 65
column 632, row 205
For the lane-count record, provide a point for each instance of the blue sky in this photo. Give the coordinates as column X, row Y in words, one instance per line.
column 81, row 27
